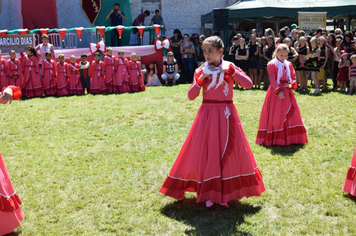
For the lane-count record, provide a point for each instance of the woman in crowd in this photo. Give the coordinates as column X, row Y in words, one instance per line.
column 170, row 69
column 176, row 41
column 187, row 51
column 252, row 61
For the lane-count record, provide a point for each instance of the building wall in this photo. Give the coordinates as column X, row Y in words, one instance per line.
column 178, row 14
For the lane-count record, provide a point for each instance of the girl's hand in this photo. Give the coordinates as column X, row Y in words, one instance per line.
column 287, row 86
column 322, row 67
column 6, row 96
column 15, row 77
column 281, row 95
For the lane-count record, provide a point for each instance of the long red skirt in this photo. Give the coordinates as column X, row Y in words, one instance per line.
column 350, row 182
column 216, row 160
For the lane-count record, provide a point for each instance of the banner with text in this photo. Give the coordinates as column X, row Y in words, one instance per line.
column 310, row 21
column 17, row 42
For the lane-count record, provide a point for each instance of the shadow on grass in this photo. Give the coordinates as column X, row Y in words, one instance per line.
column 12, row 234
column 207, row 222
column 351, row 197
column 285, row 150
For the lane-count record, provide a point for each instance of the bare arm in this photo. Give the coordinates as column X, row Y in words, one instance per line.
column 108, row 16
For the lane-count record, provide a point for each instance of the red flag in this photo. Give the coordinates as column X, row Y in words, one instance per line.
column 31, row 17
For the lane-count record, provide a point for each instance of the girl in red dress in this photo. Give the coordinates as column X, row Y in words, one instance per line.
column 75, row 86
column 350, row 182
column 109, row 70
column 343, row 74
column 97, row 84
column 216, row 160
column 14, row 70
column 10, row 211
column 122, row 83
column 3, row 79
column 280, row 122
column 49, row 73
column 32, row 86
column 136, row 79
column 62, row 76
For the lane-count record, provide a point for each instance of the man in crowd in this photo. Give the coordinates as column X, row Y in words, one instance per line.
column 116, row 19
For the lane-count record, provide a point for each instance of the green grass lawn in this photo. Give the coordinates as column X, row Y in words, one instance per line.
column 93, row 165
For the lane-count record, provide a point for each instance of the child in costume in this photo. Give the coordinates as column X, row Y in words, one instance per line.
column 10, row 211
column 352, row 74
column 62, row 76
column 32, row 86
column 109, row 69
column 84, row 73
column 281, row 122
column 121, row 79
column 216, row 160
column 14, row 70
column 136, row 80
column 49, row 74
column 3, row 79
column 97, row 84
column 343, row 74
column 75, row 86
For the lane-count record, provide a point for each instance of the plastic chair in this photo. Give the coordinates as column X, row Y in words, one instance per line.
column 71, row 40
column 93, row 37
column 56, row 40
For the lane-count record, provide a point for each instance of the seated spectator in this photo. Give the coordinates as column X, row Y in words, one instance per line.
column 152, row 78
column 170, row 69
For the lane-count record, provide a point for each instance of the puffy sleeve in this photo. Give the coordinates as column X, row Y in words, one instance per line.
column 239, row 76
column 194, row 89
column 16, row 92
column 273, row 77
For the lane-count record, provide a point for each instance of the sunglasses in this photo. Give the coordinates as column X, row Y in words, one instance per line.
column 170, row 55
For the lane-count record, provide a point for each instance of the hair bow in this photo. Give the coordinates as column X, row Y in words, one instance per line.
column 163, row 44
column 95, row 47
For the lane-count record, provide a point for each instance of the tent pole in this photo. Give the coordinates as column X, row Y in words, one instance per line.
column 348, row 21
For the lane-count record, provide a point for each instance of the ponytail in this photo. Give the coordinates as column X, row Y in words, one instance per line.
column 33, row 50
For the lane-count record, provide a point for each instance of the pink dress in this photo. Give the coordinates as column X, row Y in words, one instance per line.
column 136, row 80
column 3, row 79
column 14, row 69
column 216, row 160
column 32, row 86
column 350, row 182
column 10, row 211
column 109, row 68
column 280, row 121
column 62, row 79
column 97, row 84
column 121, row 80
column 75, row 86
column 49, row 73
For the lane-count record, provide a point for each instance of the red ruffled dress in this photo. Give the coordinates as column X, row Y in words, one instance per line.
column 32, row 86
column 121, row 80
column 10, row 211
column 97, row 84
column 216, row 160
column 280, row 121
column 110, row 73
column 136, row 80
column 49, row 73
column 350, row 182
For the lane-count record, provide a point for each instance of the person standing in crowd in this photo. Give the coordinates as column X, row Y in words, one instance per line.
column 74, row 86
column 301, row 64
column 262, row 70
column 14, row 70
column 252, row 61
column 176, row 41
column 122, row 75
column 187, row 50
column 62, row 76
column 294, row 37
column 343, row 75
column 97, row 84
column 337, row 57
column 280, row 121
column 281, row 36
column 313, row 63
column 116, row 17
column 347, row 44
column 42, row 48
column 136, row 81
column 216, row 143
column 139, row 20
column 242, row 55
column 267, row 55
column 158, row 20
column 49, row 75
column 208, row 33
column 170, row 69
column 324, row 57
column 233, row 48
column 331, row 44
column 109, row 69
column 201, row 58
column 352, row 74
column 32, row 86
column 3, row 79
column 84, row 73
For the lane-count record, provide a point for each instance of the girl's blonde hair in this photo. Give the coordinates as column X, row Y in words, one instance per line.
column 281, row 47
column 11, row 51
column 109, row 49
column 120, row 52
column 314, row 40
column 133, row 55
column 171, row 53
column 214, row 41
column 61, row 56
